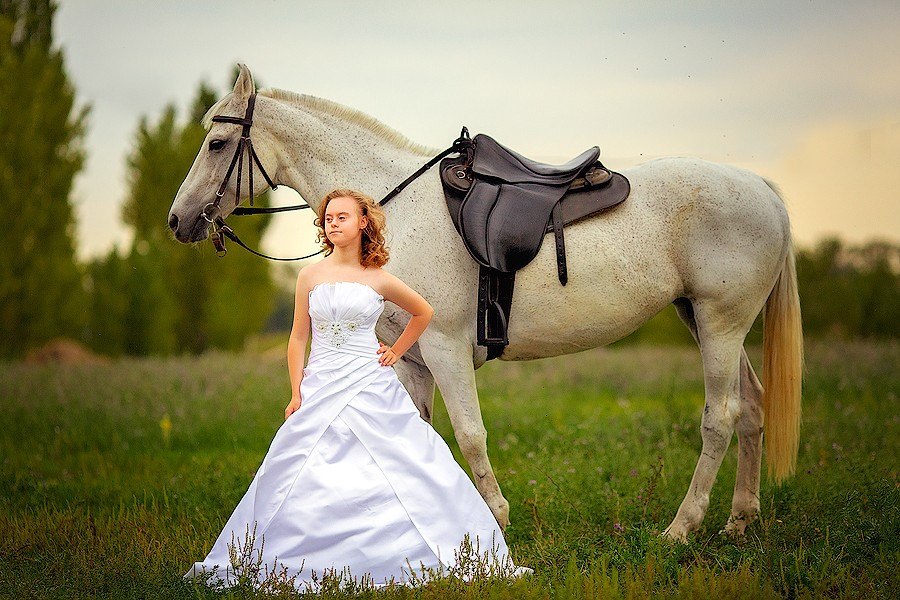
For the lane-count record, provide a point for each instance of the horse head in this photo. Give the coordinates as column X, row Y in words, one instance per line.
column 208, row 190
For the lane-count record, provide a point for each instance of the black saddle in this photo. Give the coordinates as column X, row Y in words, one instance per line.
column 502, row 204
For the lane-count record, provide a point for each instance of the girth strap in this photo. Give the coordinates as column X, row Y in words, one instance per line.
column 560, row 244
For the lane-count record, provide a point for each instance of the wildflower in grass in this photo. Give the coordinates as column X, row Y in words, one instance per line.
column 165, row 425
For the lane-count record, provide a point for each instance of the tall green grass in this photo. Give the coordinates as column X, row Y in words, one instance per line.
column 115, row 478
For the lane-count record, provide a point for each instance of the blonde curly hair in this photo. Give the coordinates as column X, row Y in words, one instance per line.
column 374, row 251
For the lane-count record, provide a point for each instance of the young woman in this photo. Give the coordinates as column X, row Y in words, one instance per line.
column 354, row 479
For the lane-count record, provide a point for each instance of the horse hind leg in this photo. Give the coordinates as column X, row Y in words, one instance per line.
column 745, row 503
column 721, row 352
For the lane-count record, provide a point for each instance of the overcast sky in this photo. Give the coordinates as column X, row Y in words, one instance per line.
column 806, row 93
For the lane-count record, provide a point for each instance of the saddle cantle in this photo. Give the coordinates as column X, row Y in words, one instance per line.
column 502, row 204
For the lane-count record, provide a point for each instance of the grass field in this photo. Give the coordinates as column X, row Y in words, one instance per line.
column 115, row 478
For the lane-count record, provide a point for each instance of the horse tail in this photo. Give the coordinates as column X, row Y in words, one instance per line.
column 782, row 371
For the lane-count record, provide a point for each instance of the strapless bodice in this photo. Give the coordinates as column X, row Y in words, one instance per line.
column 343, row 316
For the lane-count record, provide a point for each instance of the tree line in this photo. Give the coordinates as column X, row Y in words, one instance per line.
column 162, row 297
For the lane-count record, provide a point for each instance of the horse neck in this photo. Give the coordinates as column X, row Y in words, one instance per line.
column 320, row 152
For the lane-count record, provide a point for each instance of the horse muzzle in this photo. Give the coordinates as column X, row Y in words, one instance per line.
column 197, row 231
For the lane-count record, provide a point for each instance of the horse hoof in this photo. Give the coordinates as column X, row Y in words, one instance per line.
column 674, row 534
column 735, row 527
column 522, row 571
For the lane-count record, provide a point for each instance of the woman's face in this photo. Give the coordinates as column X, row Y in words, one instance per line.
column 343, row 223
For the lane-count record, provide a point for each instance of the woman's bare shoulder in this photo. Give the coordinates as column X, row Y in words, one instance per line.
column 391, row 286
column 381, row 276
column 306, row 277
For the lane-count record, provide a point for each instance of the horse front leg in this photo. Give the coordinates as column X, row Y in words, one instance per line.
column 449, row 359
column 419, row 382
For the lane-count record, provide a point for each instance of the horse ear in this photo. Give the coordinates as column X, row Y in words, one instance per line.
column 244, row 85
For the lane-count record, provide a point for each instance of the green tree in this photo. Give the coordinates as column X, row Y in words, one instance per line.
column 850, row 292
column 105, row 280
column 876, row 285
column 41, row 133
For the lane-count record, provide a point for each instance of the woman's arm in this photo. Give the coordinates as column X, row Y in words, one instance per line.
column 296, row 352
column 409, row 300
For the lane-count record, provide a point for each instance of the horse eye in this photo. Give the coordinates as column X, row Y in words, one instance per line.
column 216, row 145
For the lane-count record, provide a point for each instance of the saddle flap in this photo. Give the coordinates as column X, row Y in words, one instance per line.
column 493, row 160
column 503, row 226
column 577, row 205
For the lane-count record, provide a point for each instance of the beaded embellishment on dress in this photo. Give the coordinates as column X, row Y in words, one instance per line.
column 336, row 332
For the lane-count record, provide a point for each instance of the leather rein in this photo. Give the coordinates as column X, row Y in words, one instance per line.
column 212, row 213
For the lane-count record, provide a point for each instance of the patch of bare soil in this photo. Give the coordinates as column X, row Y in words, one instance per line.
column 64, row 351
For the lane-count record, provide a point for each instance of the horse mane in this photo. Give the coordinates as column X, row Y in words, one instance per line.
column 352, row 115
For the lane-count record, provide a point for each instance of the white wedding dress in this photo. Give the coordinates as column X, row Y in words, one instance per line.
column 355, row 478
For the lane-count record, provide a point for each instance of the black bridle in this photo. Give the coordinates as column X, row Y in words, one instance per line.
column 220, row 230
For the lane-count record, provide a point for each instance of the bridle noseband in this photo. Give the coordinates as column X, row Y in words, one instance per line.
column 220, row 229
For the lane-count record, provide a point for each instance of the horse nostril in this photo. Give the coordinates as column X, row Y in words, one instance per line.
column 173, row 222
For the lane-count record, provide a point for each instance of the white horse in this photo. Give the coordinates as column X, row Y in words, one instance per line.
column 713, row 239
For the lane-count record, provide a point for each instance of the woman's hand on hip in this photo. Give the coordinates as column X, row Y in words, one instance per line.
column 388, row 356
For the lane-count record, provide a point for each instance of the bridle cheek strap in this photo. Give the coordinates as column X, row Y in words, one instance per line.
column 238, row 159
column 218, row 224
